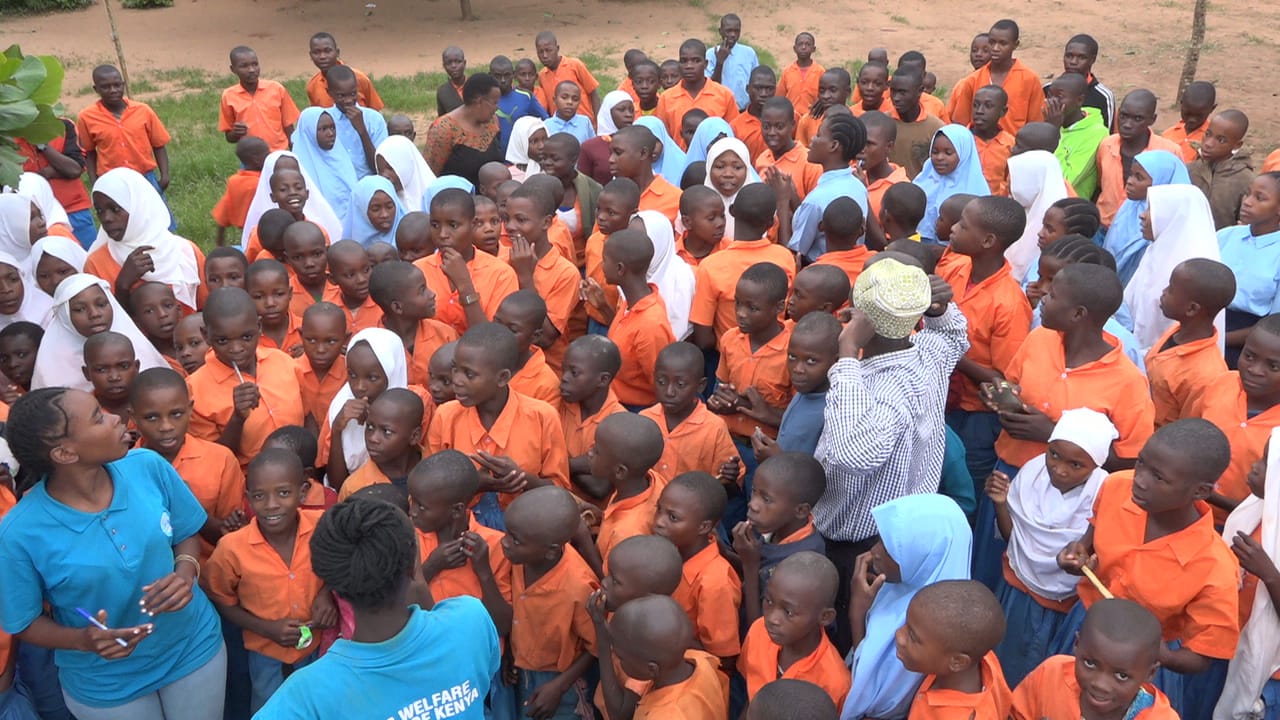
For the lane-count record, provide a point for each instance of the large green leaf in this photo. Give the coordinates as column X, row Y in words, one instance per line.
column 30, row 75
column 14, row 117
column 51, row 89
column 8, row 66
column 44, row 128
column 10, row 162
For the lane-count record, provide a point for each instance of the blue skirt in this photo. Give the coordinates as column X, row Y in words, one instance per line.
column 1029, row 632
column 988, row 546
column 1193, row 696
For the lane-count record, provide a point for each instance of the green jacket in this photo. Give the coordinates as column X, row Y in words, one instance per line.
column 588, row 195
column 1078, row 152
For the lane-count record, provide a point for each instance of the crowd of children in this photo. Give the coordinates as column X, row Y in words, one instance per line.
column 734, row 392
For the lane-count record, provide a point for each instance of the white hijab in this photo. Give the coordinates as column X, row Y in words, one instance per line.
column 1183, row 227
column 739, row 148
column 518, row 147
column 672, row 276
column 15, row 227
column 36, row 307
column 1258, row 653
column 65, row 249
column 317, row 209
column 604, row 118
column 1035, row 181
column 174, row 257
column 39, row 191
column 60, row 360
column 389, row 349
column 415, row 175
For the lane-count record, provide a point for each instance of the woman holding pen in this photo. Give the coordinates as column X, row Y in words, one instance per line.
column 108, row 539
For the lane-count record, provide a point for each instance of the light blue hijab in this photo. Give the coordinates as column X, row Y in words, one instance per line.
column 358, row 227
column 704, row 137
column 442, row 183
column 332, row 170
column 929, row 538
column 1124, row 238
column 670, row 164
column 966, row 178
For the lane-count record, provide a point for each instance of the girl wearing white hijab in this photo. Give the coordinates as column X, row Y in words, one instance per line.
column 316, row 209
column 1035, row 181
column 35, row 188
column 21, row 224
column 726, row 176
column 388, row 350
column 19, row 298
column 525, row 147
column 400, row 162
column 672, row 276
column 174, row 258
column 82, row 306
column 53, row 259
column 617, row 110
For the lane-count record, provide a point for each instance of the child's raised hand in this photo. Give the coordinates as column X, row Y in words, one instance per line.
column 295, row 351
column 354, row 410
column 286, row 632
column 10, row 393
column 138, row 263
column 245, row 398
column 446, row 556
column 1075, row 556
column 1253, row 558
column 729, row 470
column 455, row 267
column 746, row 544
column 941, row 297
column 857, row 332
column 104, row 643
column 234, row 521
column 1035, row 291
column 475, row 549
column 596, row 610
column 997, row 487
column 590, row 292
column 324, row 611
column 725, row 400
column 523, row 258
column 863, row 586
column 356, row 117
column 1054, row 111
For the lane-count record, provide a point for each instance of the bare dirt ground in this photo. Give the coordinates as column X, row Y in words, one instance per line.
column 1142, row 40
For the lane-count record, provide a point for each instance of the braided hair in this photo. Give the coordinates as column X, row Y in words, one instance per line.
column 849, row 132
column 1080, row 216
column 363, row 549
column 1073, row 249
column 41, row 423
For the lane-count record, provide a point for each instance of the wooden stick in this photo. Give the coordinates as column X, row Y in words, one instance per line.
column 1093, row 578
column 115, row 38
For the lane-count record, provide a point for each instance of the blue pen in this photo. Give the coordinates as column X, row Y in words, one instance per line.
column 94, row 621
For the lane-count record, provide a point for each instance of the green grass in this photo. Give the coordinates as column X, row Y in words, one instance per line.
column 900, row 19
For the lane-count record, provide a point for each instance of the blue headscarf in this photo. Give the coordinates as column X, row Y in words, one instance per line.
column 358, row 227
column 442, row 183
column 332, row 170
column 670, row 164
column 966, row 178
column 1124, row 238
column 704, row 137
column 929, row 538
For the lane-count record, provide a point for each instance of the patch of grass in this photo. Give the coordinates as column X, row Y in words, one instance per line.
column 607, row 71
column 782, row 28
column 767, row 58
column 1254, row 39
column 900, row 19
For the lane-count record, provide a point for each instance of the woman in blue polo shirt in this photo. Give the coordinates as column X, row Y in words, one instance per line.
column 112, row 533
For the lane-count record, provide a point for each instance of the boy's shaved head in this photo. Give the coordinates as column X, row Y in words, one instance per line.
column 599, row 352
column 905, row 202
column 105, row 72
column 695, row 45
column 806, row 480
column 632, row 438
column 843, row 218
column 1074, row 84
column 547, row 514
column 390, row 280
column 683, row 355
column 964, row 613
column 708, row 491
column 755, row 205
column 653, row 628
column 157, row 378
column 1037, row 136
column 1141, row 101
column 454, row 198
column 626, row 189
column 544, row 202
column 1006, row 25
column 769, row 277
column 493, row 172
column 449, row 472
column 814, row 570
column 229, row 302
column 495, row 341
column 324, row 309
column 1205, row 449
column 1094, row 287
column 103, row 340
column 829, row 283
column 346, row 251
column 630, row 247
column 1209, row 283
column 406, row 401
column 1200, row 94
column 339, row 74
column 789, row 699
column 1003, row 217
column 525, row 303
column 1238, row 120
column 955, row 204
column 882, row 123
column 1087, row 42
column 697, row 197
column 240, row 51
column 546, row 36
column 1124, row 622
column 651, row 559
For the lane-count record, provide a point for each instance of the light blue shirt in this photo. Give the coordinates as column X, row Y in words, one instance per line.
column 50, row 552
column 802, row 422
column 806, row 238
column 1256, row 264
column 579, row 127
column 439, row 666
column 737, row 70
column 350, row 139
column 1116, row 326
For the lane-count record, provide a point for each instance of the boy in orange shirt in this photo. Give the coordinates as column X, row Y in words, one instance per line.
column 689, row 509
column 843, row 224
column 348, row 288
column 951, row 628
column 188, row 342
column 618, row 202
column 868, row 96
column 256, row 107
column 393, row 438
column 540, row 267
column 305, row 254
column 1134, row 118
column 260, row 576
column 878, row 174
column 784, row 699
column 994, row 143
column 1020, row 83
column 703, row 215
column 1186, row 359
column 799, row 81
column 902, row 207
column 632, row 154
column 694, row 438
column 695, row 90
column 1198, row 102
column 408, row 310
column 761, row 86
column 110, row 365
column 322, row 369
column 586, row 400
column 820, row 288
column 626, row 449
column 790, row 639
column 225, row 266
column 781, row 151
column 121, row 132
column 470, row 283
column 557, row 68
column 834, row 88
column 641, row 328
column 234, row 204
column 324, row 52
column 267, row 283
column 525, row 314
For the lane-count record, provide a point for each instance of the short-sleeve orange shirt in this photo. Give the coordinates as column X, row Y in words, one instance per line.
column 318, row 392
column 573, row 70
column 800, row 85
column 213, row 474
column 999, row 319
column 459, row 581
column 212, row 385
column 764, row 369
column 1188, row 142
column 717, row 280
column 993, row 701
column 580, row 432
column 630, row 517
column 366, row 95
column 101, row 264
column 662, row 196
column 1225, row 404
column 794, row 162
column 233, row 206
column 823, row 667
column 537, row 380
column 368, row 315
column 267, row 112
column 704, row 695
column 714, row 98
column 1021, row 85
column 711, row 593
column 850, row 261
column 746, row 127
column 702, row 442
column 689, row 257
column 1051, row 692
column 550, row 626
column 432, row 335
column 126, row 141
column 493, row 280
column 994, row 154
column 1111, row 177
column 1179, row 374
column 640, row 331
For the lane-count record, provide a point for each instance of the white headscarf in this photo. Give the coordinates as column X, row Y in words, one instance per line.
column 1035, row 181
column 317, row 209
column 604, row 118
column 415, row 175
column 1046, row 520
column 518, row 146
column 15, row 226
column 36, row 307
column 39, row 191
column 389, row 349
column 60, row 360
column 672, row 276
column 739, row 148
column 65, row 249
column 1183, row 228
column 1258, row 653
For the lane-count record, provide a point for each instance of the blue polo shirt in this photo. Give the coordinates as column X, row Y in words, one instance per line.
column 513, row 106
column 802, row 422
column 350, row 139
column 1256, row 264
column 579, row 127
column 439, row 666
column 52, row 553
column 806, row 238
column 737, row 70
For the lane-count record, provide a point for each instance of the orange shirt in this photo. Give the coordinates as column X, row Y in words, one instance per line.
column 368, row 315
column 302, row 298
column 663, row 196
column 794, row 162
column 764, row 369
column 1224, row 404
column 806, row 127
column 689, row 257
column 1112, row 385
column 580, row 432
column 716, row 99
column 999, row 319
column 823, row 667
column 211, row 387
column 213, row 475
column 992, row 702
column 850, row 261
column 1051, row 692
column 537, row 380
column 101, row 264
column 710, row 593
column 560, row 237
column 459, row 581
column 363, row 476
column 432, row 335
column 1179, row 374
column 701, row 442
column 557, row 279
column 126, row 141
column 704, row 695
column 1021, row 84
column 366, row 96
column 640, row 331
column 1189, row 579
column 877, row 188
column 493, row 280
column 630, row 517
column 931, row 104
column 246, row 571
column 1111, row 175
column 292, row 338
column 595, row 271
column 1188, row 143
column 1272, row 163
column 573, row 70
column 233, row 206
column 746, row 127
column 318, row 392
column 994, row 154
column 527, row 431
column 800, row 84
column 550, row 626
column 268, row 112
column 717, row 280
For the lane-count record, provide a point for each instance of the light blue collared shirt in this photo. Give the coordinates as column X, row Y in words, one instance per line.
column 737, row 70
column 350, row 139
column 806, row 238
column 579, row 127
column 1256, row 264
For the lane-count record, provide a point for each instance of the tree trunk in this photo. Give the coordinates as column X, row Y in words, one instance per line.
column 1193, row 50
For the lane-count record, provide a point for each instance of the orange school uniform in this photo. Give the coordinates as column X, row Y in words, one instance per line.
column 292, row 338
column 807, row 126
column 211, row 387
column 267, row 112
column 459, row 581
column 493, row 280
column 1272, row 163
column 246, row 570
column 550, row 626
column 714, row 98
column 630, row 517
column 992, row 702
column 213, row 475
column 126, row 141
column 1111, row 175
column 850, row 261
column 1223, row 403
column 746, row 127
column 1021, row 84
column 1188, row 579
column 1051, row 692
column 702, row 442
column 823, row 667
column 877, row 188
column 710, row 593
column 302, row 298
column 580, row 432
column 1112, row 385
column 717, row 280
column 367, row 96
column 764, row 368
column 999, row 320
column 931, row 104
column 560, row 237
column 367, row 315
column 1179, row 374
column 595, row 271
column 364, row 476
column 794, row 162
column 233, row 206
column 573, row 70
column 640, row 331
column 1188, row 142
column 994, row 154
column 557, row 280
column 692, row 260
column 800, row 84
column 318, row 392
column 101, row 264
column 432, row 335
column 527, row 431
column 663, row 197
column 537, row 380
column 704, row 695
column 253, row 249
